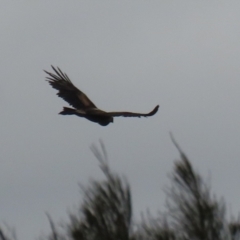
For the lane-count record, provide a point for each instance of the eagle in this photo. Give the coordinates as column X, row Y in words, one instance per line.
column 82, row 105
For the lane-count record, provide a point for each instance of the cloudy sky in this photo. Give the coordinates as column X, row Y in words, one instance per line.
column 125, row 55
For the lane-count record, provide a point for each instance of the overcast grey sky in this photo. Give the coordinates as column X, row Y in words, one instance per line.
column 125, row 55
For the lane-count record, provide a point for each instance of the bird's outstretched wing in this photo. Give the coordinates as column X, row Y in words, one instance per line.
column 131, row 114
column 67, row 90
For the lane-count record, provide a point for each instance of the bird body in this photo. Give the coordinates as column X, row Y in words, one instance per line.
column 83, row 106
column 93, row 114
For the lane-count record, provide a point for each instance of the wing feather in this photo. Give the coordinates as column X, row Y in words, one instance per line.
column 67, row 90
column 131, row 114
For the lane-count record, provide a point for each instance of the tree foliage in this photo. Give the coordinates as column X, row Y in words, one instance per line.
column 194, row 213
column 105, row 213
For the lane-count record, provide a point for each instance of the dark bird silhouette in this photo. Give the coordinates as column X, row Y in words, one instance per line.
column 83, row 106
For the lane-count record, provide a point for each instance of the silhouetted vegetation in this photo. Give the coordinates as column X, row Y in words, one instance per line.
column 105, row 213
column 106, row 210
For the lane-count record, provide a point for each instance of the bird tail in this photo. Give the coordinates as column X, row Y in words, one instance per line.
column 68, row 111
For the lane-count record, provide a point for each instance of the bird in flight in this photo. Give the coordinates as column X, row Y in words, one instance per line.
column 82, row 105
